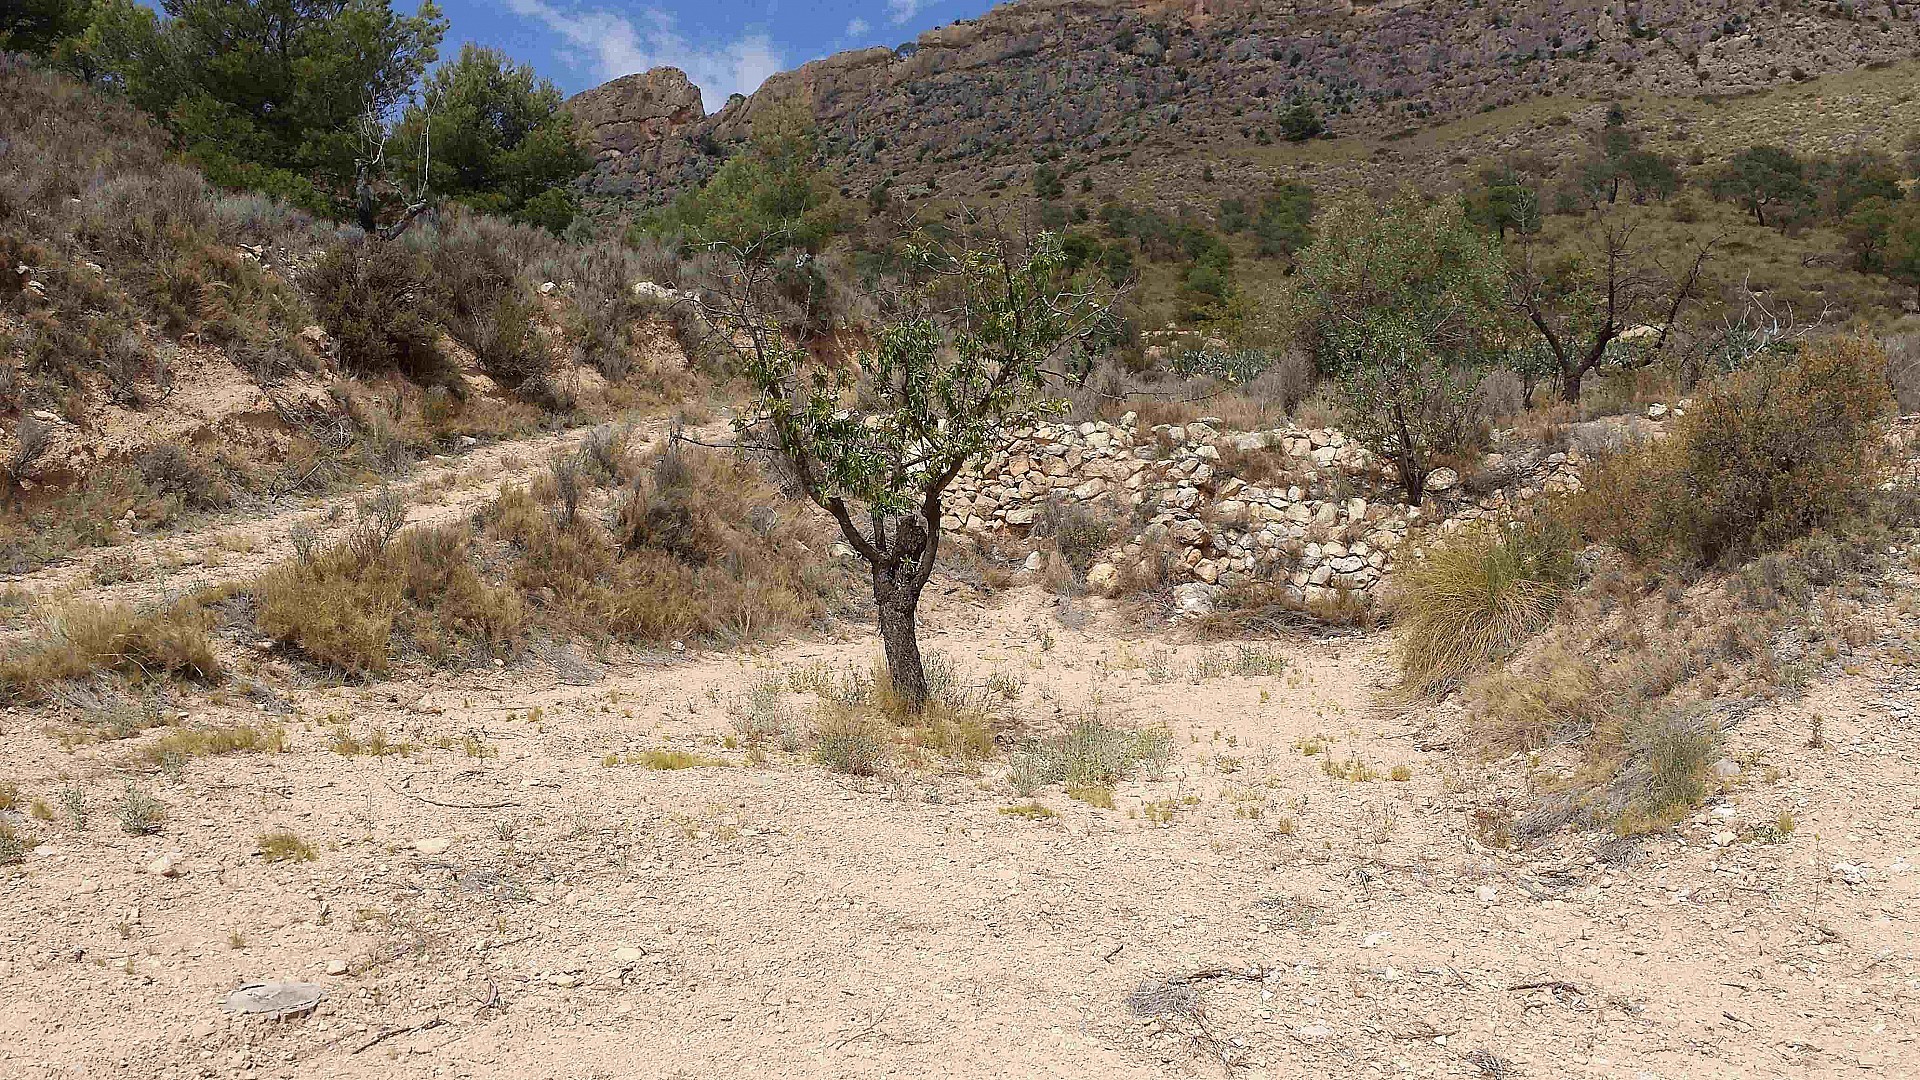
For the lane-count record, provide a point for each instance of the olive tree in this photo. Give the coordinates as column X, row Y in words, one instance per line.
column 1403, row 307
column 876, row 440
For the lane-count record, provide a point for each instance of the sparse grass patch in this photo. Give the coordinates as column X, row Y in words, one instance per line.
column 1247, row 661
column 674, row 760
column 1032, row 811
column 1162, row 811
column 860, row 721
column 283, row 845
column 186, row 743
column 1352, row 770
column 139, row 813
column 1090, row 755
column 1092, row 795
column 341, row 740
column 1664, row 776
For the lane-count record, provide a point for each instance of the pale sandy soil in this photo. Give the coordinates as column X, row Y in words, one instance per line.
column 538, row 914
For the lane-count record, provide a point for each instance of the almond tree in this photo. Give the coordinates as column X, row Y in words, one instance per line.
column 875, row 442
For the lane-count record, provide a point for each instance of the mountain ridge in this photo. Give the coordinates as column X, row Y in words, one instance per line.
column 1085, row 80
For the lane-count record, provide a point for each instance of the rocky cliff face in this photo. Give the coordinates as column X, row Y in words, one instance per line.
column 646, row 129
column 1093, row 79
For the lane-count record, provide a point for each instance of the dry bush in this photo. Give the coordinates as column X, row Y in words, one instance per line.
column 381, row 303
column 87, row 639
column 1475, row 597
column 478, row 266
column 1265, row 466
column 1269, row 606
column 1766, row 455
column 605, row 307
column 346, row 607
column 1903, row 369
column 1078, row 533
column 1642, row 678
column 701, row 545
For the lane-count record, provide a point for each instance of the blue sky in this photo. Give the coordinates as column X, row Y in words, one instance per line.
column 725, row 46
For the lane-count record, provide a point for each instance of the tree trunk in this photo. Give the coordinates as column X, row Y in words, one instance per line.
column 897, row 605
column 1413, row 473
column 1570, row 385
column 1413, row 478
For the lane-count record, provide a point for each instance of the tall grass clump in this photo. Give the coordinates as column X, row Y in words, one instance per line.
column 87, row 639
column 1476, row 597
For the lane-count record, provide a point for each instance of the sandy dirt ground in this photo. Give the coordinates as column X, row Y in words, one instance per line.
column 499, row 902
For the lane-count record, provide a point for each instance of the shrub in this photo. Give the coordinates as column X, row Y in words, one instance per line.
column 1475, row 597
column 172, row 469
column 849, row 739
column 1663, row 776
column 140, row 814
column 1766, row 455
column 380, row 302
column 1079, row 532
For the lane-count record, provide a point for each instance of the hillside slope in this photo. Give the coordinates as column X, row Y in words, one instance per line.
column 1097, row 81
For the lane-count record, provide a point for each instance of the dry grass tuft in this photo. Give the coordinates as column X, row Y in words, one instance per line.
column 1476, row 597
column 285, row 846
column 88, row 639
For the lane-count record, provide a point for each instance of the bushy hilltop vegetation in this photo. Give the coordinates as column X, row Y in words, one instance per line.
column 132, row 278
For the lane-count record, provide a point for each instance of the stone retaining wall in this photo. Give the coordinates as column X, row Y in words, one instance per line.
column 1224, row 509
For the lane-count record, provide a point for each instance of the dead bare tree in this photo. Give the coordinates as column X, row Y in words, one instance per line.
column 30, row 441
column 1583, row 303
column 373, row 136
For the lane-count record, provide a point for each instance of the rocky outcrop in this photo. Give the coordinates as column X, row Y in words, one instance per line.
column 1224, row 509
column 645, row 132
column 979, row 101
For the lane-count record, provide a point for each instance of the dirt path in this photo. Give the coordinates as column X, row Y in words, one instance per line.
column 240, row 545
column 500, row 903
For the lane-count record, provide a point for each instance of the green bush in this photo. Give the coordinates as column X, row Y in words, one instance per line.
column 1765, row 456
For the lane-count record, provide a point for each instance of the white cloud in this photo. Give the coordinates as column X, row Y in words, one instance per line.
column 902, row 10
column 858, row 28
column 612, row 44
